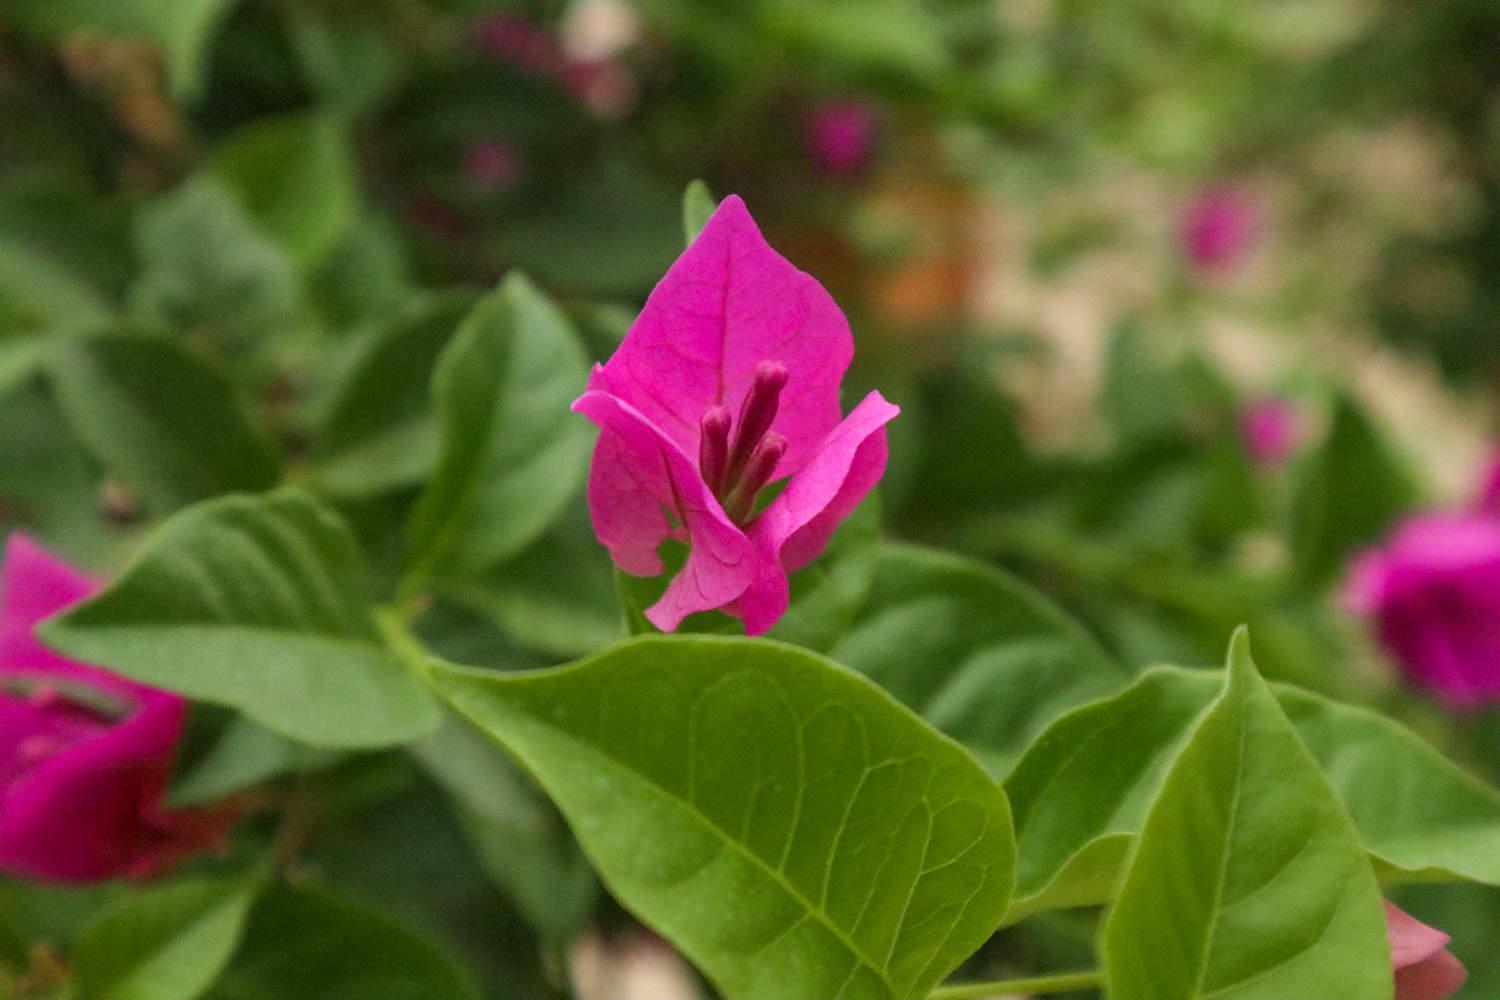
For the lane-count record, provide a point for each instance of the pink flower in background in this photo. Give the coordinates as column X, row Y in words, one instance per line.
column 1271, row 429
column 1218, row 228
column 84, row 754
column 728, row 382
column 841, row 136
column 518, row 40
column 1433, row 591
column 492, row 165
column 1425, row 968
column 1489, row 489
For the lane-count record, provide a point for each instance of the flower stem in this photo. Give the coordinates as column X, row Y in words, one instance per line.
column 1061, row 982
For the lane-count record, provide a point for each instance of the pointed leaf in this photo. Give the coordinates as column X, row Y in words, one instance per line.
column 167, row 943
column 509, row 460
column 698, row 203
column 1249, row 880
column 865, row 854
column 255, row 603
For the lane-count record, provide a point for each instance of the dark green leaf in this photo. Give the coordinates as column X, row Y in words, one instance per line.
column 866, row 855
column 255, row 603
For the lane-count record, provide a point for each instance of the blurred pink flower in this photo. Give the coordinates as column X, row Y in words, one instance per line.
column 492, row 165
column 1271, row 429
column 1425, row 968
column 1218, row 228
column 841, row 136
column 1433, row 590
column 727, row 382
column 518, row 40
column 85, row 755
column 1489, row 489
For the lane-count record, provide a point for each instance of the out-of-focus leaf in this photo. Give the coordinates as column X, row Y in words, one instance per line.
column 867, row 854
column 380, row 432
column 48, row 482
column 295, row 177
column 884, row 38
column 1249, row 881
column 828, row 592
column 698, row 203
column 308, row 942
column 256, row 603
column 163, row 421
column 511, row 453
column 1348, row 492
column 517, row 837
column 244, row 755
column 167, row 943
column 64, row 255
column 976, row 652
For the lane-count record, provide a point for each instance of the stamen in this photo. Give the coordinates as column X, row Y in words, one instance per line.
column 757, row 413
column 713, row 447
column 758, row 472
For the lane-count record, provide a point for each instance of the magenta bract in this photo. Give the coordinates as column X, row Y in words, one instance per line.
column 1425, row 968
column 1217, row 229
column 85, row 755
column 1271, row 429
column 733, row 333
column 841, row 136
column 1433, row 591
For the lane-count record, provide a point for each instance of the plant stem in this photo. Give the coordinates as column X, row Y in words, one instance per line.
column 1062, row 982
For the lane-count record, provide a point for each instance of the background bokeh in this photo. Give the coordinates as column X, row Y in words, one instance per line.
column 1185, row 301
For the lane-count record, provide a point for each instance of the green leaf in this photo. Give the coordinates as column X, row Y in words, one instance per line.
column 698, row 203
column 1347, row 494
column 379, row 432
column 244, row 755
column 183, row 28
column 865, row 855
column 295, row 175
column 1249, row 880
column 974, row 651
column 308, row 942
column 516, row 835
column 167, row 943
column 255, row 603
column 511, row 454
column 206, row 265
column 828, row 592
column 1081, row 792
column 170, row 447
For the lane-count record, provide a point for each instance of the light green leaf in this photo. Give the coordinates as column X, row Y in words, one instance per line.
column 167, row 943
column 171, row 447
column 517, row 836
column 295, row 175
column 379, row 432
column 1249, row 880
column 255, row 603
column 1081, row 792
column 306, row 942
column 1348, row 492
column 511, row 454
column 21, row 358
column 698, row 203
column 866, row 855
column 974, row 651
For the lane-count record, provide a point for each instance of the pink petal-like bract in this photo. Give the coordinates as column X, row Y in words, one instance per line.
column 1432, row 590
column 1424, row 967
column 731, row 319
column 85, row 754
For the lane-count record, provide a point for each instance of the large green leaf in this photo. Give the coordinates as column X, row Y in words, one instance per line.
column 255, row 603
column 977, row 653
column 1081, row 792
column 171, row 447
column 167, row 943
column 379, row 432
column 1349, row 491
column 295, row 175
column 511, row 454
column 306, row 942
column 1249, row 881
column 789, row 826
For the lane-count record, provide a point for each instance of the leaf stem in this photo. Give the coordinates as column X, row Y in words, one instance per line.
column 1061, row 982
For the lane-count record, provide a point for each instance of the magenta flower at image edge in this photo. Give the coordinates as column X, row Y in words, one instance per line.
column 1432, row 590
column 1425, row 969
column 85, row 755
column 727, row 383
